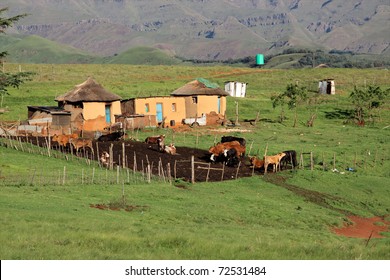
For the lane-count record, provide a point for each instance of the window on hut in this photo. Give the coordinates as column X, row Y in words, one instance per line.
column 147, row 107
column 195, row 100
column 173, row 107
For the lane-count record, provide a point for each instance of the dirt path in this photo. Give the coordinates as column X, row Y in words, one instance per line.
column 355, row 226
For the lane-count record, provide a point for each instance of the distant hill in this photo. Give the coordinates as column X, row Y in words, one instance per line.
column 35, row 49
column 207, row 29
column 142, row 55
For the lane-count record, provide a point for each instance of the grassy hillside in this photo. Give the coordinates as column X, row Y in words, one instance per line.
column 142, row 56
column 259, row 217
column 245, row 219
column 35, row 49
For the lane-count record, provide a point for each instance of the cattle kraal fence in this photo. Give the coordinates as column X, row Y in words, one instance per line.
column 95, row 173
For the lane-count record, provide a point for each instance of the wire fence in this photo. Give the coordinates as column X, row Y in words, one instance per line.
column 84, row 176
column 91, row 172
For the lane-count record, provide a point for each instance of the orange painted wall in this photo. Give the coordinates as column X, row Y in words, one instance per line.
column 167, row 102
column 92, row 110
column 207, row 104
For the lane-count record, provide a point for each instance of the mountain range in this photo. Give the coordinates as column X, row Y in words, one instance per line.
column 204, row 29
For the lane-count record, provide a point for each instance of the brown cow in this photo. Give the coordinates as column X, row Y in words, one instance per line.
column 159, row 140
column 154, row 139
column 223, row 148
column 63, row 139
column 275, row 160
column 256, row 163
column 79, row 143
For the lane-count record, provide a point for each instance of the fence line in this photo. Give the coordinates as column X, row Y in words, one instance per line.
column 63, row 176
column 96, row 174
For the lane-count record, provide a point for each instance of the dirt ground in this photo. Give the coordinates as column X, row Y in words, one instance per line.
column 367, row 228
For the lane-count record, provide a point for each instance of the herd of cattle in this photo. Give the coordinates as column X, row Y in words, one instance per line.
column 230, row 150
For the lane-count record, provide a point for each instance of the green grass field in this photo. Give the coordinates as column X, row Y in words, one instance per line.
column 249, row 218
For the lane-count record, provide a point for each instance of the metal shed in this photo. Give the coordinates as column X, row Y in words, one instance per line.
column 326, row 86
column 236, row 89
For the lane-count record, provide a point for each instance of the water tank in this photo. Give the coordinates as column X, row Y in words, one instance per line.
column 259, row 59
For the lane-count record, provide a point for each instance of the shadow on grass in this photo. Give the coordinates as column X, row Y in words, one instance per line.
column 340, row 114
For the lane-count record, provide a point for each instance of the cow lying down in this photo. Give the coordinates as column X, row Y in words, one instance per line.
column 171, row 149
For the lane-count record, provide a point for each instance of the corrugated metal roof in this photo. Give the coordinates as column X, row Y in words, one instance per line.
column 50, row 109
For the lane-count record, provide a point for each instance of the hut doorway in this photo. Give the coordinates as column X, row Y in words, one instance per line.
column 159, row 112
column 108, row 113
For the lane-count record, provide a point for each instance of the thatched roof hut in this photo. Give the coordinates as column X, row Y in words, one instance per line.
column 89, row 91
column 92, row 107
column 199, row 86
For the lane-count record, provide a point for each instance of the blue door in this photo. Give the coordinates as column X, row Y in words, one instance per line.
column 108, row 113
column 159, row 112
column 219, row 105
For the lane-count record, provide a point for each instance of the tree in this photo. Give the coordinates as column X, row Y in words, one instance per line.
column 9, row 79
column 293, row 96
column 366, row 99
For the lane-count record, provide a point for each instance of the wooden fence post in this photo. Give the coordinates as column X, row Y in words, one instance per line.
column 135, row 163
column 238, row 169
column 323, row 162
column 148, row 173
column 123, row 155
column 250, row 148
column 208, row 172
column 117, row 174
column 169, row 173
column 174, row 169
column 311, row 161
column 64, row 176
column 257, row 117
column 111, row 156
column 192, row 170
column 236, row 122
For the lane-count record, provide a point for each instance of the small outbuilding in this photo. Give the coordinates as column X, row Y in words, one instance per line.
column 54, row 118
column 326, row 86
column 236, row 89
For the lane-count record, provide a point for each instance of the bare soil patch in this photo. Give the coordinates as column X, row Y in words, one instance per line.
column 360, row 227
